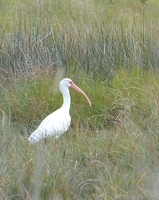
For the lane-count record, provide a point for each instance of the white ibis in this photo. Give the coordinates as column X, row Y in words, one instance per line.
column 58, row 122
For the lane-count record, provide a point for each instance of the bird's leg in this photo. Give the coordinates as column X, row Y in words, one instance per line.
column 64, row 153
column 45, row 140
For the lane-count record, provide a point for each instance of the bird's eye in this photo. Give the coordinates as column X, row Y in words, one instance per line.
column 70, row 82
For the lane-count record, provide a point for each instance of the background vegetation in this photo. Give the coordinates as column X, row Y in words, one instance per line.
column 110, row 50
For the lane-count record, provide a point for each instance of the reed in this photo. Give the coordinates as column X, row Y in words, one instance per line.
column 110, row 50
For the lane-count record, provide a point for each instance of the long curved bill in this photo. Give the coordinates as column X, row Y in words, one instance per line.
column 74, row 86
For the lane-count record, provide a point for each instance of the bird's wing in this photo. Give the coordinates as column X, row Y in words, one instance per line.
column 55, row 124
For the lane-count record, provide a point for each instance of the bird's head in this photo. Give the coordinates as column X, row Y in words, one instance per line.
column 65, row 83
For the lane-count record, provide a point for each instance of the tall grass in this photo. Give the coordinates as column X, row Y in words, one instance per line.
column 110, row 151
column 110, row 50
column 94, row 35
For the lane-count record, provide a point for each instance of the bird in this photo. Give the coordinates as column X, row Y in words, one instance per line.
column 58, row 122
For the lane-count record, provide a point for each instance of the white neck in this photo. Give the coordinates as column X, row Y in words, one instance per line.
column 66, row 98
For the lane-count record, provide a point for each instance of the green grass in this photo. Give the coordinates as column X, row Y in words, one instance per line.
column 111, row 150
column 110, row 50
column 94, row 35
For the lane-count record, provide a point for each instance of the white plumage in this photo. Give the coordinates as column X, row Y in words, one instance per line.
column 58, row 122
